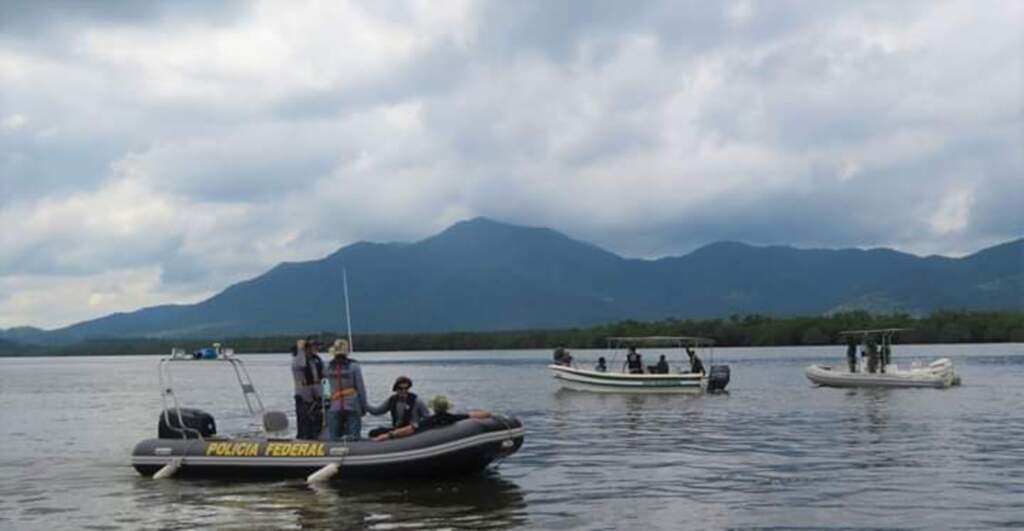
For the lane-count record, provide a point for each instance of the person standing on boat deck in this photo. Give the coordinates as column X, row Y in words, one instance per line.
column 886, row 355
column 307, row 369
column 405, row 407
column 634, row 362
column 348, row 394
column 696, row 365
column 872, row 356
column 851, row 353
column 602, row 365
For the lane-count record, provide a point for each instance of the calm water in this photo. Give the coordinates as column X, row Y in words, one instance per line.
column 774, row 453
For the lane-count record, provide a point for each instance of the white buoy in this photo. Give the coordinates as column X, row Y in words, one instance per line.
column 168, row 470
column 324, row 474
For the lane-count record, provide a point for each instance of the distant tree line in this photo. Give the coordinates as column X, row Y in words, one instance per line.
column 748, row 330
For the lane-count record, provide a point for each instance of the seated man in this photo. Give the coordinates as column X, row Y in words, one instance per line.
column 441, row 417
column 602, row 365
column 696, row 366
column 562, row 357
column 404, row 406
column 662, row 366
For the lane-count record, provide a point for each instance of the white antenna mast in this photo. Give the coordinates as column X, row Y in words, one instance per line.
column 348, row 312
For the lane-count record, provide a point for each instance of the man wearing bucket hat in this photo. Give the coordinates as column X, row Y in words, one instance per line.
column 405, row 407
column 347, row 393
column 441, row 417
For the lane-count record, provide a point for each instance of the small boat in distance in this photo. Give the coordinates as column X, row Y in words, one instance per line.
column 188, row 445
column 874, row 367
column 674, row 378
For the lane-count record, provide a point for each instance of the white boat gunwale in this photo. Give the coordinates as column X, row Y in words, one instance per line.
column 625, row 376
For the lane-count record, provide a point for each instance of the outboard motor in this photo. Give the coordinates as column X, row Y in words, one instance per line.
column 718, row 378
column 197, row 422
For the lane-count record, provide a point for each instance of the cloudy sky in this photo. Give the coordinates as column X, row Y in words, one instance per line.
column 155, row 152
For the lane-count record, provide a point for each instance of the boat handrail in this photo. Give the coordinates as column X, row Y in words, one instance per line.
column 251, row 397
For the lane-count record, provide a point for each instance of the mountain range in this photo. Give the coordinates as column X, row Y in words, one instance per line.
column 484, row 275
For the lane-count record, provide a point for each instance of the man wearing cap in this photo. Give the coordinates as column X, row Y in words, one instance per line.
column 307, row 369
column 405, row 407
column 348, row 394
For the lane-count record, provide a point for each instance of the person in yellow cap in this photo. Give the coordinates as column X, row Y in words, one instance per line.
column 441, row 417
column 347, row 394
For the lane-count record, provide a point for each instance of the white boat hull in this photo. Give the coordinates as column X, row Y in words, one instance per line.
column 615, row 382
column 938, row 374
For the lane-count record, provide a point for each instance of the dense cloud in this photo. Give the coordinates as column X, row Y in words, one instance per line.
column 156, row 152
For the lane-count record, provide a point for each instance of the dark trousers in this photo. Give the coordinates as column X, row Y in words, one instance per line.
column 309, row 418
column 872, row 362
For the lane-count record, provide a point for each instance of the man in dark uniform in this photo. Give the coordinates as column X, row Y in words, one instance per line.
column 634, row 362
column 851, row 353
column 696, row 366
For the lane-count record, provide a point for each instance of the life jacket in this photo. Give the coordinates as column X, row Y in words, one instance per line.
column 313, row 370
column 400, row 419
column 634, row 362
column 342, row 382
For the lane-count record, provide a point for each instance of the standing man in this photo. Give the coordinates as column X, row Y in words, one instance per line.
column 348, row 394
column 851, row 353
column 634, row 362
column 307, row 369
column 872, row 356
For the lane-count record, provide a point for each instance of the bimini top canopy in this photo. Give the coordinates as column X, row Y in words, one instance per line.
column 676, row 341
column 874, row 331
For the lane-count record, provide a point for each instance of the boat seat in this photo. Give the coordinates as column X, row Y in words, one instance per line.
column 275, row 421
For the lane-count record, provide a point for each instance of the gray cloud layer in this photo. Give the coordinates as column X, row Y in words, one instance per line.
column 156, row 152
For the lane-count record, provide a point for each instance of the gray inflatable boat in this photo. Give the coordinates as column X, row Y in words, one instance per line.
column 188, row 444
column 463, row 448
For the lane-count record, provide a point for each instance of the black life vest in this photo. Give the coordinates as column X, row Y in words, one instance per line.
column 634, row 362
column 313, row 371
column 400, row 419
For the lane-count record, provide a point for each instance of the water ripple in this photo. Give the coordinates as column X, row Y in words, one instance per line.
column 774, row 453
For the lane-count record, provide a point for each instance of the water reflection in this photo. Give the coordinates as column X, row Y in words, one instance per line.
column 876, row 409
column 479, row 502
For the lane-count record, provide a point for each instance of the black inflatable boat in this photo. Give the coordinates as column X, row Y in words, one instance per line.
column 463, row 448
column 188, row 445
